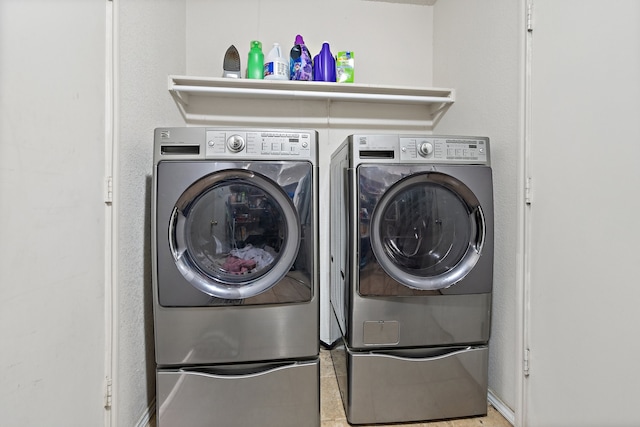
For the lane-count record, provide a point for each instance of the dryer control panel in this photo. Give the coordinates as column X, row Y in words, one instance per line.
column 447, row 149
column 259, row 144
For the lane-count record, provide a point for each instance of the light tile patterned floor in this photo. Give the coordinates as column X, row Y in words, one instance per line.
column 332, row 411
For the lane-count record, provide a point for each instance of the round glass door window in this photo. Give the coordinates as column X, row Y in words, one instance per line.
column 234, row 234
column 427, row 231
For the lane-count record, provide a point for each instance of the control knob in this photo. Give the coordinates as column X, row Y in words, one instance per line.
column 235, row 143
column 425, row 149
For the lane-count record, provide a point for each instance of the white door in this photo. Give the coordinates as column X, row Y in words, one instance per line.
column 583, row 228
column 52, row 226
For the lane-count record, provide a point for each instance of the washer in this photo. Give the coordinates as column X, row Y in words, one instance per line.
column 411, row 275
column 235, row 276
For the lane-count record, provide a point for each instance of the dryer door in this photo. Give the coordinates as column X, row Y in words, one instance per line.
column 427, row 230
column 234, row 234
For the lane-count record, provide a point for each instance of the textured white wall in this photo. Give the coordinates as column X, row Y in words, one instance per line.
column 392, row 42
column 478, row 51
column 151, row 46
column 52, row 97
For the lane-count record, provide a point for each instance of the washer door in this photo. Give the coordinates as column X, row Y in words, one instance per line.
column 234, row 234
column 427, row 231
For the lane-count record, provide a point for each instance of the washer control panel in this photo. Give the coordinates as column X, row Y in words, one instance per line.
column 223, row 143
column 447, row 149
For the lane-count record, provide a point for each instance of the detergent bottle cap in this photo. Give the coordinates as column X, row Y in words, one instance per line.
column 299, row 39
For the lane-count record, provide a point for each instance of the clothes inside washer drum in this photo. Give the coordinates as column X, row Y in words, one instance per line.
column 262, row 257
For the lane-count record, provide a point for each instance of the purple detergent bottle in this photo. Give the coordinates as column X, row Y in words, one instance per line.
column 324, row 65
column 300, row 61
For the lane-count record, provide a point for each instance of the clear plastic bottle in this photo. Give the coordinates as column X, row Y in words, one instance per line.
column 255, row 63
column 300, row 65
column 276, row 66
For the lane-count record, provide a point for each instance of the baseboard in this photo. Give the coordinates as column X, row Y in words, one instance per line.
column 500, row 406
column 148, row 417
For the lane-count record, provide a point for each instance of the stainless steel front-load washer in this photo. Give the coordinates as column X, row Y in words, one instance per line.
column 235, row 277
column 411, row 275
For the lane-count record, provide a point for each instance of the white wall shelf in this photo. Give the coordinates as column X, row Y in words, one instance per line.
column 307, row 90
column 430, row 103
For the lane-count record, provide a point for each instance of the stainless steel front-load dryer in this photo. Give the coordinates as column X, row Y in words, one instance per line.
column 411, row 275
column 235, row 277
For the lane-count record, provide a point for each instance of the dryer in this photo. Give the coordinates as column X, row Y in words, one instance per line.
column 411, row 275
column 235, row 276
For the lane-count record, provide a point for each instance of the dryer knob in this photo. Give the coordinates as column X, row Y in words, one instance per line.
column 425, row 149
column 235, row 143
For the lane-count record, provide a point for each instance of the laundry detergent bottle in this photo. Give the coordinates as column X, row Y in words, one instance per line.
column 276, row 66
column 300, row 65
column 324, row 65
column 255, row 63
